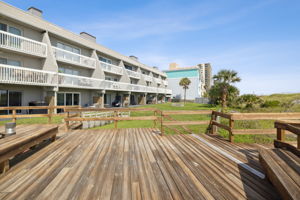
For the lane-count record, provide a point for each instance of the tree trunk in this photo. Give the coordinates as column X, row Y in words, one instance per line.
column 224, row 99
column 184, row 96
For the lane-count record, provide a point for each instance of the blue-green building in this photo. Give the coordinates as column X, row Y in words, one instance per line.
column 200, row 77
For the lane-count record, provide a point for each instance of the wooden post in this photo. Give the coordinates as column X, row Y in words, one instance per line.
column 116, row 121
column 280, row 134
column 154, row 121
column 67, row 122
column 161, row 123
column 213, row 127
column 4, row 166
column 50, row 115
column 14, row 112
column 231, row 125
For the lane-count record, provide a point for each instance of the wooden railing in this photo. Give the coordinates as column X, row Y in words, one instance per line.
column 232, row 117
column 75, row 115
column 282, row 127
column 172, row 122
column 14, row 115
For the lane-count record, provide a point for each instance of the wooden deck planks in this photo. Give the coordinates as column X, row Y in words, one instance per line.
column 133, row 164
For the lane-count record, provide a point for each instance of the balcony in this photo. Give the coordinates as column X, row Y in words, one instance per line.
column 133, row 74
column 73, row 58
column 112, row 85
column 111, row 68
column 22, row 44
column 26, row 76
column 67, row 80
column 165, row 82
column 147, row 78
column 158, row 80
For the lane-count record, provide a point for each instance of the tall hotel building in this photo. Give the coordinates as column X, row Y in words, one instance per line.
column 40, row 61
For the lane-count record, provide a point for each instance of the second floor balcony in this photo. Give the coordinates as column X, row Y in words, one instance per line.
column 147, row 78
column 111, row 68
column 73, row 58
column 22, row 44
column 27, row 76
column 133, row 74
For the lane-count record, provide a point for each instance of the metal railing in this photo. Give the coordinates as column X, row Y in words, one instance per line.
column 21, row 75
column 22, row 44
column 133, row 74
column 111, row 68
column 70, row 57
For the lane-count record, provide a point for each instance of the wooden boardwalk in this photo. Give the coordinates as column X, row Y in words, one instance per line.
column 137, row 164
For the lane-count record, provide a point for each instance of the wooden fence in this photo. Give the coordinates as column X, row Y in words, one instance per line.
column 232, row 117
column 167, row 121
column 75, row 115
column 14, row 115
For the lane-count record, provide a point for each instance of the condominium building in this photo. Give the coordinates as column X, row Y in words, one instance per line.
column 200, row 77
column 40, row 61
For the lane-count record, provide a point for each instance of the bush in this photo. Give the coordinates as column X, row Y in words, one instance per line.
column 270, row 104
column 175, row 100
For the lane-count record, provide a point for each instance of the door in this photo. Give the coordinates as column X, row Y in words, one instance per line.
column 3, row 101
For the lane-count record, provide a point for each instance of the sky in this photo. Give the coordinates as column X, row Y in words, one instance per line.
column 260, row 39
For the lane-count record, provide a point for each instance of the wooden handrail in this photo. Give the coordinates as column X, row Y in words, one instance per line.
column 282, row 127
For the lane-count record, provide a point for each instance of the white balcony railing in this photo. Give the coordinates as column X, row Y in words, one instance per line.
column 165, row 82
column 133, row 74
column 21, row 75
column 147, row 78
column 67, row 80
column 112, row 85
column 158, row 80
column 111, row 68
column 77, row 59
column 22, row 44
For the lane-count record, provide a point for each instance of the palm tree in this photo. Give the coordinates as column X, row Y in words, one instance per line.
column 185, row 82
column 225, row 78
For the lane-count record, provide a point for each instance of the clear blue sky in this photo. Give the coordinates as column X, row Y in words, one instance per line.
column 258, row 38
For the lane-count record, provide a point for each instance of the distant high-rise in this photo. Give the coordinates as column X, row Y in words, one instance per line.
column 206, row 68
column 200, row 76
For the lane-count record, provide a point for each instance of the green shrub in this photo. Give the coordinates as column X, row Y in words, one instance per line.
column 270, row 104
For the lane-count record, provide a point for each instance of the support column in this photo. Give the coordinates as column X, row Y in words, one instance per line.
column 144, row 99
column 126, row 99
column 98, row 100
column 155, row 98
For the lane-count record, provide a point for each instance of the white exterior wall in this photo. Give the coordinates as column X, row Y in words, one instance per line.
column 37, row 29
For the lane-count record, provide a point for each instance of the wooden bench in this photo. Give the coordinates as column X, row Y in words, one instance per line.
column 283, row 170
column 25, row 138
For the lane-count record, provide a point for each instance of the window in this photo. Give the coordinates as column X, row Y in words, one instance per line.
column 3, row 27
column 109, row 78
column 15, row 31
column 106, row 60
column 68, row 71
column 68, row 48
column 128, row 67
column 10, row 29
column 6, row 61
column 68, row 99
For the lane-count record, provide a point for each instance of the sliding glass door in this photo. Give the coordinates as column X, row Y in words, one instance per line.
column 10, row 98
